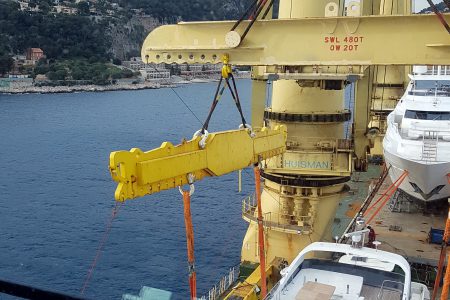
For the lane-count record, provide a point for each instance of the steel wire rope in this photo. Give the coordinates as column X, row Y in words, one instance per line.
column 268, row 9
column 247, row 12
column 253, row 13
column 100, row 247
column 261, row 5
column 439, row 15
column 447, row 2
column 176, row 94
column 218, row 94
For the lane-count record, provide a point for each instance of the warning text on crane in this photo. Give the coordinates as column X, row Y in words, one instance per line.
column 346, row 43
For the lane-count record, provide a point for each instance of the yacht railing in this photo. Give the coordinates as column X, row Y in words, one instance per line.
column 438, row 70
column 426, row 132
column 272, row 293
column 430, row 92
column 400, row 291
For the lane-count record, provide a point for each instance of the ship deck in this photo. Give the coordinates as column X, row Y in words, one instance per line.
column 404, row 233
column 407, row 234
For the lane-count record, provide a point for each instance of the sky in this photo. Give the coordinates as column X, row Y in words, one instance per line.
column 421, row 4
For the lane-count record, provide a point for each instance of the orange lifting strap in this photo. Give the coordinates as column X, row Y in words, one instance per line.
column 386, row 196
column 190, row 242
column 262, row 254
column 446, row 287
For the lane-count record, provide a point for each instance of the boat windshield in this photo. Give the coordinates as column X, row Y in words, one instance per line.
column 439, row 88
column 372, row 282
column 428, row 115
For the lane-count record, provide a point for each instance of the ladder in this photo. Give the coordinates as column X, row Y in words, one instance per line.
column 429, row 147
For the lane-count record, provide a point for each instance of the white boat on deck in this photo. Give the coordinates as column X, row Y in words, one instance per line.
column 359, row 274
column 418, row 135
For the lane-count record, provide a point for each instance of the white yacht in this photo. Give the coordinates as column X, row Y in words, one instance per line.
column 356, row 273
column 418, row 135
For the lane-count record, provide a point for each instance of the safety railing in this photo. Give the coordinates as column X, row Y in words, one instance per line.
column 392, row 289
column 318, row 144
column 426, row 131
column 276, row 221
column 222, row 285
column 438, row 70
column 273, row 292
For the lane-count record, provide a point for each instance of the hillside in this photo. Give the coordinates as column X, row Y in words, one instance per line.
column 441, row 7
column 79, row 38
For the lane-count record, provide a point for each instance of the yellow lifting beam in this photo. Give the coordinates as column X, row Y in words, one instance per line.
column 365, row 40
column 141, row 173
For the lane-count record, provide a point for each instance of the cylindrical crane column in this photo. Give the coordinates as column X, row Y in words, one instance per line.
column 303, row 187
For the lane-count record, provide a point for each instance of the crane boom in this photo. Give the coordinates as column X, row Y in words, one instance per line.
column 329, row 41
column 141, row 173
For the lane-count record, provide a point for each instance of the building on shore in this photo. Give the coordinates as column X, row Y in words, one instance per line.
column 34, row 54
column 164, row 71
column 62, row 9
column 25, row 6
column 154, row 73
column 135, row 63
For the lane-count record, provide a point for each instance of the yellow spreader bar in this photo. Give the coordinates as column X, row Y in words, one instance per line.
column 141, row 173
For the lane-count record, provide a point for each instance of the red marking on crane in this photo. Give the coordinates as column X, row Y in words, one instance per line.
column 344, row 44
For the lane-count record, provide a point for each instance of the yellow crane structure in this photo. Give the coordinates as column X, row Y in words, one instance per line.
column 311, row 53
column 141, row 173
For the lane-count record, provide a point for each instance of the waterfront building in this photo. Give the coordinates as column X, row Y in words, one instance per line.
column 34, row 54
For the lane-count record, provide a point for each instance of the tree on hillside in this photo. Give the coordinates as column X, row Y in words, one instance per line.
column 83, row 8
column 6, row 64
column 44, row 7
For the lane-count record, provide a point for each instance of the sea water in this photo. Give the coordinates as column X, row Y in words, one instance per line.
column 56, row 194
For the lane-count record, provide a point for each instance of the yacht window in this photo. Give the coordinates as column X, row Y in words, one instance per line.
column 430, row 88
column 431, row 84
column 428, row 115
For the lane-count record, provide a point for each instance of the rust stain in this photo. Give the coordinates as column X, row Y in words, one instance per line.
column 289, row 240
column 353, row 209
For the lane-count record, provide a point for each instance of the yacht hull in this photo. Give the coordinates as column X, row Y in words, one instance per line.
column 426, row 181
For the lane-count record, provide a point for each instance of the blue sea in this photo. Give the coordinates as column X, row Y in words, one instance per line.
column 56, row 194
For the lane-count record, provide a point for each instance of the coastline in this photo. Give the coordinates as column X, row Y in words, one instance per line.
column 82, row 88
column 173, row 82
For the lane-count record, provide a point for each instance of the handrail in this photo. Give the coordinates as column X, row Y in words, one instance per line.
column 300, row 142
column 273, row 220
column 380, row 293
column 223, row 284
